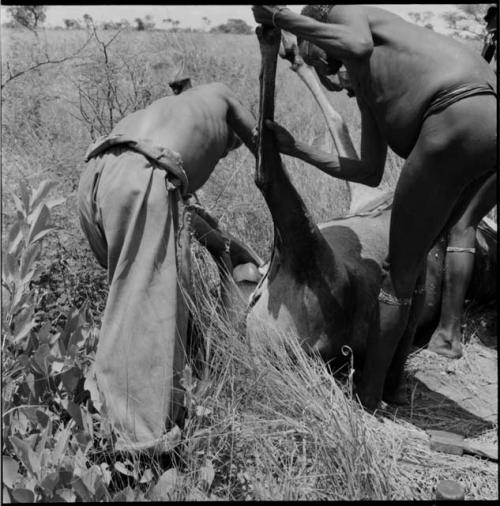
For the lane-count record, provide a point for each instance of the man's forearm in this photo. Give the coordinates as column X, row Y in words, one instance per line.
column 348, row 169
column 337, row 40
column 244, row 124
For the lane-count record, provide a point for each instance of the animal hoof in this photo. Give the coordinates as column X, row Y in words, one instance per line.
column 399, row 398
column 369, row 403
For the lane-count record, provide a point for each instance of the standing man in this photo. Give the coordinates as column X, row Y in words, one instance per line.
column 490, row 48
column 460, row 250
column 433, row 102
column 128, row 198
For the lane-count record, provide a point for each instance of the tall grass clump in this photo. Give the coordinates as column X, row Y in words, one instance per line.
column 270, row 422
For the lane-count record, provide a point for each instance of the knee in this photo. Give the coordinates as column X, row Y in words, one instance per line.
column 462, row 233
column 400, row 284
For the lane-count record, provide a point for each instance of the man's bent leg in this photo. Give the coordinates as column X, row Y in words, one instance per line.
column 140, row 356
column 394, row 389
column 459, row 264
column 394, row 312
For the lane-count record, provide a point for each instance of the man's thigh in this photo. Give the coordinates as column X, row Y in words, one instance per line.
column 483, row 198
column 437, row 181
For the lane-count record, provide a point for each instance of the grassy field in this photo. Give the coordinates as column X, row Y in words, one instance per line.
column 261, row 425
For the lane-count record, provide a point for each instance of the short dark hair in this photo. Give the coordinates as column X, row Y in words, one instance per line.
column 317, row 12
column 491, row 13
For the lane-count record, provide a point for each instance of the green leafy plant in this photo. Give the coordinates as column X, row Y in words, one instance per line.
column 49, row 420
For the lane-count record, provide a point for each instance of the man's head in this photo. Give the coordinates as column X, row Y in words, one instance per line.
column 180, row 85
column 317, row 12
column 491, row 18
column 326, row 67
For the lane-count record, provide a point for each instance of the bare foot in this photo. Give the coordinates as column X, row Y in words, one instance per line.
column 442, row 346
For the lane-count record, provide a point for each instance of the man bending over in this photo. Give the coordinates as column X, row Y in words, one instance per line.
column 128, row 196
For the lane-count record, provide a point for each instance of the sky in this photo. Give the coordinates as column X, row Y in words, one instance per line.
column 191, row 15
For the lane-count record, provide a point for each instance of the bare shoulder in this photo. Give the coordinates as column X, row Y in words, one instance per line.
column 341, row 13
column 219, row 89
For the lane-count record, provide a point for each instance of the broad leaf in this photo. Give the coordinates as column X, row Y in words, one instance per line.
column 28, row 260
column 23, row 495
column 10, row 471
column 55, row 202
column 50, row 482
column 39, row 224
column 70, row 378
column 81, row 490
column 6, row 495
column 10, row 268
column 165, row 486
column 41, row 192
column 42, row 418
column 21, row 209
column 23, row 324
column 41, row 358
column 73, row 324
column 66, row 495
column 91, row 386
column 24, row 190
column 14, row 238
column 44, row 335
column 74, row 410
column 26, row 455
column 62, row 437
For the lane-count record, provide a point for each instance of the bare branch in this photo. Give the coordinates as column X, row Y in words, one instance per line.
column 39, row 64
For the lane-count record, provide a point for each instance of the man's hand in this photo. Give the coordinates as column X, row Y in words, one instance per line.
column 284, row 139
column 265, row 14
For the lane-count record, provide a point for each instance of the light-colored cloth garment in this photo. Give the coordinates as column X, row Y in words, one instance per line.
column 128, row 202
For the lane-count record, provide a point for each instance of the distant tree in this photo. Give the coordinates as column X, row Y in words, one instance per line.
column 72, row 24
column 422, row 19
column 144, row 24
column 174, row 23
column 149, row 24
column 124, row 23
column 233, row 26
column 110, row 25
column 206, row 22
column 139, row 24
column 89, row 22
column 467, row 21
column 29, row 16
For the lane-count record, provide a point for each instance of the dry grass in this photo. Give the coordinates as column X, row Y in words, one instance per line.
column 280, row 427
column 270, row 420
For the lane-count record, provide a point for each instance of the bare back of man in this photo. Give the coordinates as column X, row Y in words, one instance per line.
column 199, row 124
column 405, row 72
column 128, row 201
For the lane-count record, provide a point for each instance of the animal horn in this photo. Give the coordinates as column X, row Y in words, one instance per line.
column 269, row 41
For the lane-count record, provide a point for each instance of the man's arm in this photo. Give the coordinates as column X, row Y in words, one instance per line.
column 241, row 121
column 368, row 170
column 348, row 37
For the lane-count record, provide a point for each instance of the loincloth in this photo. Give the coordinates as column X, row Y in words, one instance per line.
column 444, row 98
